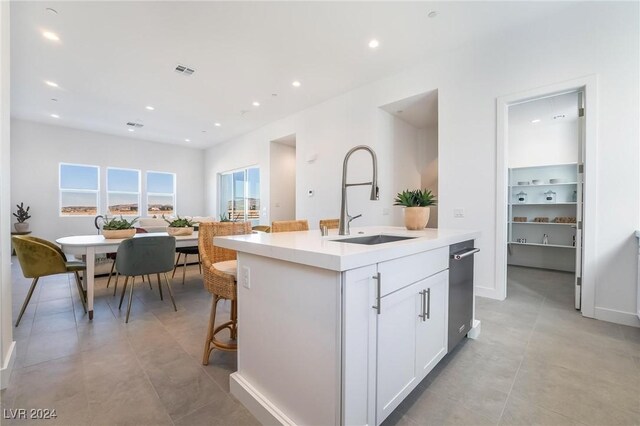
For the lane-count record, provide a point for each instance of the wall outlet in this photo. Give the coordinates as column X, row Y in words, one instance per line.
column 458, row 212
column 246, row 277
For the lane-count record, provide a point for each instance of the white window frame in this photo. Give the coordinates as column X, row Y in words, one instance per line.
column 125, row 192
column 174, row 194
column 86, row 191
column 245, row 189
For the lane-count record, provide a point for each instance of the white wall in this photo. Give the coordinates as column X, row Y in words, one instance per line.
column 7, row 344
column 283, row 181
column 428, row 154
column 583, row 39
column 37, row 149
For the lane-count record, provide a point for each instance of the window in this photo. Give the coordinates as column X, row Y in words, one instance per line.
column 123, row 191
column 161, row 193
column 240, row 194
column 79, row 189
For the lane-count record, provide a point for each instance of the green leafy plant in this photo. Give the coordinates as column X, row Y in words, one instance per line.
column 224, row 218
column 178, row 222
column 415, row 198
column 22, row 214
column 115, row 224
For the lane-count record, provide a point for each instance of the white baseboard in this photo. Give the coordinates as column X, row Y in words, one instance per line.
column 618, row 317
column 490, row 293
column 257, row 404
column 474, row 333
column 5, row 372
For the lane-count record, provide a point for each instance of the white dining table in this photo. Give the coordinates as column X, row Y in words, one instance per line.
column 90, row 245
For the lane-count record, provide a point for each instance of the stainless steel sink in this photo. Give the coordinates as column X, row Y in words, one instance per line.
column 373, row 239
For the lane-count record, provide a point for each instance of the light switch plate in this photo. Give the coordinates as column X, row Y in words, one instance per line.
column 246, row 277
column 458, row 212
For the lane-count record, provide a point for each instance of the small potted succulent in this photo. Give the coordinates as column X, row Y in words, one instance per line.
column 115, row 229
column 416, row 203
column 22, row 215
column 179, row 226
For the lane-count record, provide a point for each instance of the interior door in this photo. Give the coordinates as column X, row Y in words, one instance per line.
column 579, row 198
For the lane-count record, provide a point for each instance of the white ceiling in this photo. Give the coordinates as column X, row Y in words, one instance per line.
column 551, row 110
column 115, row 58
column 421, row 111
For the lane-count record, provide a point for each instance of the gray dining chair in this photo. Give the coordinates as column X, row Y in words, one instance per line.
column 145, row 256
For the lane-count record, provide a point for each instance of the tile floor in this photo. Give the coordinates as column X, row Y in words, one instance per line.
column 537, row 362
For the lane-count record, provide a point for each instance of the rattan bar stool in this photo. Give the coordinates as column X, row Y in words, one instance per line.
column 289, row 225
column 220, row 276
column 330, row 223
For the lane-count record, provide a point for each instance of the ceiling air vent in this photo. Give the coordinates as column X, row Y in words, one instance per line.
column 134, row 125
column 181, row 69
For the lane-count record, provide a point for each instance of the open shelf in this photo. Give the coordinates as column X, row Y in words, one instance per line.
column 543, row 223
column 545, row 166
column 544, row 184
column 541, row 245
column 567, row 203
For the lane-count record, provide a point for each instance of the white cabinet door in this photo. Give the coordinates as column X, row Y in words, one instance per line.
column 431, row 331
column 396, row 347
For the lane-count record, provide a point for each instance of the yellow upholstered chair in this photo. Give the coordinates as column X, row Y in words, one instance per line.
column 220, row 275
column 39, row 258
column 330, row 223
column 289, row 225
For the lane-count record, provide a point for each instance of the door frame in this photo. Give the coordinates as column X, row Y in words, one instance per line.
column 588, row 85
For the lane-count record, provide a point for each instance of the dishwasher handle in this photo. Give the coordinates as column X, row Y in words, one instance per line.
column 464, row 253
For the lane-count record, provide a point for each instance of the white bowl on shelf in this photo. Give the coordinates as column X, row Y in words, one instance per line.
column 557, row 180
column 537, row 182
column 524, row 182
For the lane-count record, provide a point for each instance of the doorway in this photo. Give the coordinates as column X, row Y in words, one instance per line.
column 545, row 193
column 282, row 180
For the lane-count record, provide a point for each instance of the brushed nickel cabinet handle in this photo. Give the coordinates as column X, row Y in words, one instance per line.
column 378, row 279
column 423, row 305
column 428, row 314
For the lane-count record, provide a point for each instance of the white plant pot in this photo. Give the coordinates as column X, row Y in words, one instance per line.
column 21, row 227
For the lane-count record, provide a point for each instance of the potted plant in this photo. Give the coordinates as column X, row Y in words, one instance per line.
column 416, row 203
column 179, row 226
column 22, row 215
column 115, row 229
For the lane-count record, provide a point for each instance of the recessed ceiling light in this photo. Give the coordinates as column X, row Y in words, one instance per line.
column 55, row 116
column 433, row 14
column 256, row 103
column 374, row 43
column 296, row 84
column 50, row 36
column 537, row 120
column 51, row 10
column 51, row 83
column 217, row 124
column 187, row 140
column 131, row 130
column 149, row 107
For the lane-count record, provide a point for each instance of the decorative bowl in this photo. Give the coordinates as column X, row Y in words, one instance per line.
column 177, row 232
column 524, row 182
column 118, row 234
column 552, row 181
column 536, row 182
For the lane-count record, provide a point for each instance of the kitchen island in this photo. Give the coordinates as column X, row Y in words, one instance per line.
column 336, row 332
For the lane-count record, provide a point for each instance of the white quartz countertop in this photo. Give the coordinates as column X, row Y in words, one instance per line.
column 310, row 248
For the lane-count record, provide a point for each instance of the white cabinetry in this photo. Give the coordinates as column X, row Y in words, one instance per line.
column 411, row 339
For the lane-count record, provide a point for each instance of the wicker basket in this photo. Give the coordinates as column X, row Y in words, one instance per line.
column 118, row 234
column 177, row 232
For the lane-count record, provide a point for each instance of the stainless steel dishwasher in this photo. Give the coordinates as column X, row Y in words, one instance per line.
column 460, row 291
